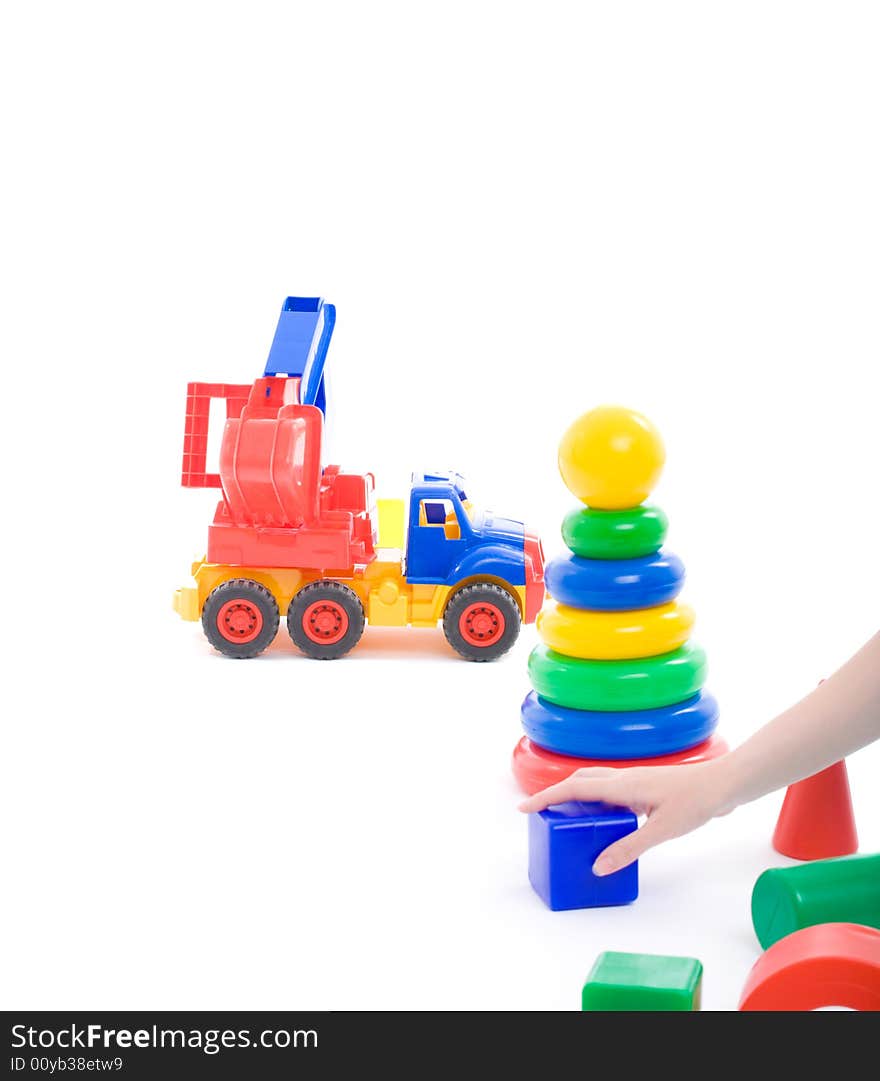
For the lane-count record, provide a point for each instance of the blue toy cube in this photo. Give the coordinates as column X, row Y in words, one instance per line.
column 564, row 840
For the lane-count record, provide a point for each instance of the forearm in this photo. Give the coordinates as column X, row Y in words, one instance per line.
column 839, row 717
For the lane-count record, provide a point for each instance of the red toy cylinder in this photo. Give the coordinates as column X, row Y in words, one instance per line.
column 829, row 964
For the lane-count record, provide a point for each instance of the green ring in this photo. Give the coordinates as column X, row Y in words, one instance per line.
column 615, row 534
column 613, row 686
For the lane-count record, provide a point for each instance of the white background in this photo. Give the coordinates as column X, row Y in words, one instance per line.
column 521, row 211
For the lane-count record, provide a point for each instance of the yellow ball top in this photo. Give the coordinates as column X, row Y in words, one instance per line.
column 611, row 457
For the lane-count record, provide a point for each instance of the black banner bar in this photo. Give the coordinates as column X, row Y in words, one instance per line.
column 253, row 1045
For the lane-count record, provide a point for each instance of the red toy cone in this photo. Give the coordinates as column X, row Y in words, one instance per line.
column 816, row 821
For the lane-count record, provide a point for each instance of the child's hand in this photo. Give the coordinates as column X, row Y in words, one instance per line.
column 676, row 800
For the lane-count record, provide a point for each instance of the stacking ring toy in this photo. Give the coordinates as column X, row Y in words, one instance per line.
column 644, row 683
column 614, row 534
column 536, row 769
column 633, row 734
column 614, row 636
column 614, row 585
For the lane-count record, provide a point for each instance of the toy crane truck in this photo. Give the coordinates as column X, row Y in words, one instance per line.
column 292, row 538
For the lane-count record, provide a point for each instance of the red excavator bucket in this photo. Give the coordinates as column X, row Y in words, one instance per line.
column 270, row 459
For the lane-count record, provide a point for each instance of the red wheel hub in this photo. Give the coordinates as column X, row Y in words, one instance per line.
column 325, row 622
column 481, row 624
column 239, row 621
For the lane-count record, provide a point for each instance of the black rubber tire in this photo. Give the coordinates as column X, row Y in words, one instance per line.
column 489, row 593
column 330, row 591
column 248, row 592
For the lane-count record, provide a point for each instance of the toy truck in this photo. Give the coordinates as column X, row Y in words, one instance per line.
column 292, row 538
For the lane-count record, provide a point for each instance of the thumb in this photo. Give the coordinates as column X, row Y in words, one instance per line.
column 628, row 849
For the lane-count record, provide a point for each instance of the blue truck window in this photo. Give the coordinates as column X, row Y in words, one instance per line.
column 434, row 511
column 441, row 513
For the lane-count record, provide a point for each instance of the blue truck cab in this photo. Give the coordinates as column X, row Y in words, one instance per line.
column 493, row 566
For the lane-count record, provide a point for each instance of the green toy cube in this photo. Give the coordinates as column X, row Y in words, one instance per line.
column 643, row 981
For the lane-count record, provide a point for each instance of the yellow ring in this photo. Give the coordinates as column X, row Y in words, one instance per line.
column 614, row 636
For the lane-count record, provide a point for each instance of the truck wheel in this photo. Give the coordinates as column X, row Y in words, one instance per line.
column 240, row 618
column 481, row 621
column 325, row 620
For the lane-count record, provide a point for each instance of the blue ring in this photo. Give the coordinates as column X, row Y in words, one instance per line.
column 644, row 733
column 615, row 585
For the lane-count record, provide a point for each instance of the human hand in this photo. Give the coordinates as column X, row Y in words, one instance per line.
column 676, row 800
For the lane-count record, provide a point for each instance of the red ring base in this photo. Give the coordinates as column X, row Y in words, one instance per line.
column 536, row 769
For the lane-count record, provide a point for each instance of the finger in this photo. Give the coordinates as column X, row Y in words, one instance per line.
column 628, row 849
column 573, row 787
column 556, row 793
